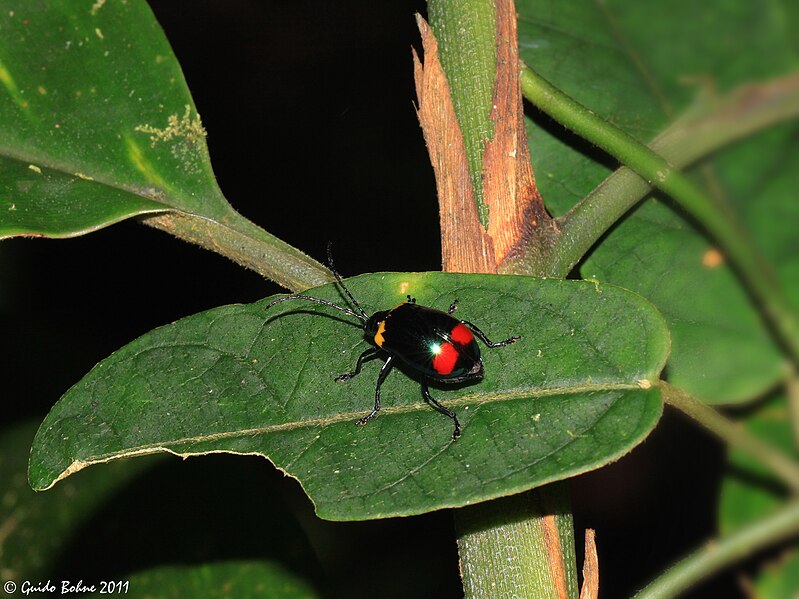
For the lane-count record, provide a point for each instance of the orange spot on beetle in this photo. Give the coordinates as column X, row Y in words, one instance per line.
column 381, row 328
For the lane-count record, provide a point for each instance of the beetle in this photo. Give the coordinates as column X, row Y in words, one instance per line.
column 433, row 343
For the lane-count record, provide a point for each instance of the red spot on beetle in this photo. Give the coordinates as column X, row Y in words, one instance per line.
column 461, row 334
column 444, row 360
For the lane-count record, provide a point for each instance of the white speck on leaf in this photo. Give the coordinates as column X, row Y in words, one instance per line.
column 96, row 7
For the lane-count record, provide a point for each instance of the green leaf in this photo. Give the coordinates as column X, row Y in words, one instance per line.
column 96, row 121
column 36, row 526
column 575, row 393
column 780, row 579
column 224, row 579
column 624, row 61
column 43, row 535
column 721, row 350
column 749, row 492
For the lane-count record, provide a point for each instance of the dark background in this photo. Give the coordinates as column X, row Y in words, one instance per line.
column 313, row 135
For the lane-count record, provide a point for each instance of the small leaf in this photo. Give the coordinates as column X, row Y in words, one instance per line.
column 96, row 121
column 780, row 578
column 35, row 526
column 575, row 393
column 225, row 579
column 748, row 492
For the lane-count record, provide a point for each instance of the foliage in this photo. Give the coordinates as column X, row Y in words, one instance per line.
column 97, row 125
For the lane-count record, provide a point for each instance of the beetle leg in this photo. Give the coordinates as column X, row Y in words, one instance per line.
column 367, row 355
column 429, row 398
column 488, row 341
column 453, row 306
column 384, row 370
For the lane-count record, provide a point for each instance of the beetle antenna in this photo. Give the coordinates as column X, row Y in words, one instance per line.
column 363, row 316
column 317, row 301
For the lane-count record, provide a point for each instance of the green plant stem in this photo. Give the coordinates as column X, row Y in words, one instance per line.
column 721, row 224
column 469, row 62
column 734, row 435
column 528, row 545
column 703, row 129
column 247, row 244
column 781, row 525
column 466, row 32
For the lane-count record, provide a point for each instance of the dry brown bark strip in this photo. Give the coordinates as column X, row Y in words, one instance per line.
column 557, row 567
column 590, row 588
column 516, row 210
column 465, row 245
column 515, row 206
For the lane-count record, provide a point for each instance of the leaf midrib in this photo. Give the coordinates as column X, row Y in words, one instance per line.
column 471, row 400
column 173, row 446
